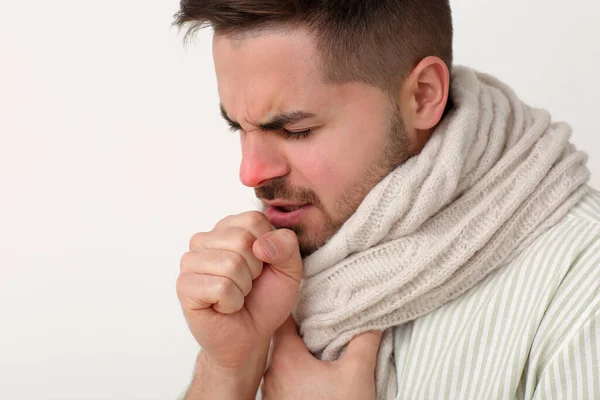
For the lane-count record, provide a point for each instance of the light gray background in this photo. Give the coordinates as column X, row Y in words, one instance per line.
column 112, row 154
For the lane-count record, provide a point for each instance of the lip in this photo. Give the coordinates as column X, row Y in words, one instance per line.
column 282, row 219
column 281, row 203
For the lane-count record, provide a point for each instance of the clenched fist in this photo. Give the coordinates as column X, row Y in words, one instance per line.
column 238, row 284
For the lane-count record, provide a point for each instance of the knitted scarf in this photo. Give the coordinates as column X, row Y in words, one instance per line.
column 494, row 176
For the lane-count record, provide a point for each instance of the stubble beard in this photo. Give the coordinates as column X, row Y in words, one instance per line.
column 395, row 153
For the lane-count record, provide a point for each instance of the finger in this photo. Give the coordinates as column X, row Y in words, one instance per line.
column 227, row 264
column 286, row 339
column 199, row 292
column 254, row 222
column 235, row 239
column 280, row 249
column 363, row 350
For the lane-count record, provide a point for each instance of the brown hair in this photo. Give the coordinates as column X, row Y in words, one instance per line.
column 377, row 42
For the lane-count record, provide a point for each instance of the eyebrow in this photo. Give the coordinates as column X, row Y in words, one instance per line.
column 276, row 123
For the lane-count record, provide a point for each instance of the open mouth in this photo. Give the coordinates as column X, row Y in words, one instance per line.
column 287, row 216
column 288, row 209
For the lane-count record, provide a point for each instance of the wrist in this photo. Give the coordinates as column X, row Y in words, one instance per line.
column 213, row 380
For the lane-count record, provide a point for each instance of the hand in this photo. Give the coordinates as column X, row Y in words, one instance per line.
column 238, row 283
column 295, row 374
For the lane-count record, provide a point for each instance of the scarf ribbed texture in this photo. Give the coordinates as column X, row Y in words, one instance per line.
column 494, row 176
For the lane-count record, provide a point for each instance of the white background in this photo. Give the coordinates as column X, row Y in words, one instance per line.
column 112, row 154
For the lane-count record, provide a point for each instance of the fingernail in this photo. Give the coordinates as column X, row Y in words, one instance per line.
column 268, row 247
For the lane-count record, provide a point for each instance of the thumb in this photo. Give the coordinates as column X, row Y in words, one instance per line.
column 363, row 350
column 280, row 249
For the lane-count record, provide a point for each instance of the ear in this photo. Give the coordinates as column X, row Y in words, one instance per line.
column 424, row 96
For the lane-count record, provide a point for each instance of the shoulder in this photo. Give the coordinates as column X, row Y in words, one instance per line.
column 588, row 208
column 576, row 299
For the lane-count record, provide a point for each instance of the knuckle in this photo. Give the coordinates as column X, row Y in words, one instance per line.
column 224, row 222
column 181, row 286
column 256, row 218
column 223, row 288
column 197, row 240
column 241, row 239
column 187, row 260
column 232, row 263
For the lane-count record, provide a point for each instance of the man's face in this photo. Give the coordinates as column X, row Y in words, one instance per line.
column 311, row 150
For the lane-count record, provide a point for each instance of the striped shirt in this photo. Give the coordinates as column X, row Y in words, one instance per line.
column 529, row 330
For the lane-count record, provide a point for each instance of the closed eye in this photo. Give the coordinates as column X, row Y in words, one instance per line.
column 233, row 126
column 296, row 135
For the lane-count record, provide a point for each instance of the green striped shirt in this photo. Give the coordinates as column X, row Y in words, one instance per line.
column 530, row 330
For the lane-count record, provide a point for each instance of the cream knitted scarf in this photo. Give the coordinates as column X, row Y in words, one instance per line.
column 494, row 176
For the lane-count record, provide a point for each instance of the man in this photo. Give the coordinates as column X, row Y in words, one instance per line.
column 430, row 234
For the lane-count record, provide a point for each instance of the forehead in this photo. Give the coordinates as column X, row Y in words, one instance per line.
column 267, row 72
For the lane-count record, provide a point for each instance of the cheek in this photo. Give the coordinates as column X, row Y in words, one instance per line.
column 318, row 170
column 327, row 169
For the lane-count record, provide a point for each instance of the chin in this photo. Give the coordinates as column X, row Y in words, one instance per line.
column 307, row 249
column 311, row 241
